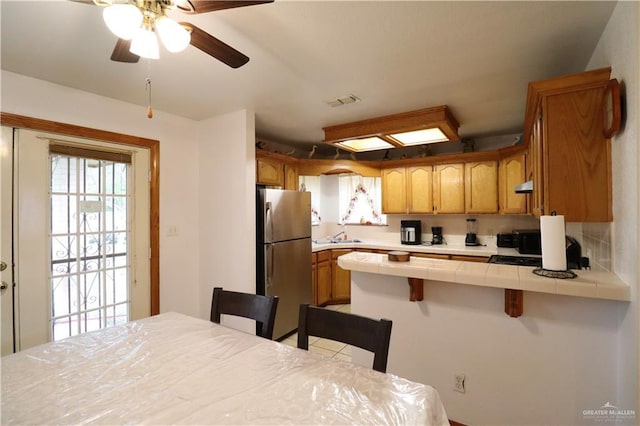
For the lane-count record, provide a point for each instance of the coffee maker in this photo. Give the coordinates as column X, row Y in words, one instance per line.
column 471, row 239
column 437, row 235
column 410, row 232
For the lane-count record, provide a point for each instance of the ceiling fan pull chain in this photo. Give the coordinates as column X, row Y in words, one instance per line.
column 148, row 88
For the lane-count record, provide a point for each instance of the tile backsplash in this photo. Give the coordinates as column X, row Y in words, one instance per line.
column 594, row 238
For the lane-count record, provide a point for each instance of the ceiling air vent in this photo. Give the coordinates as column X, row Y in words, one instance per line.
column 343, row 100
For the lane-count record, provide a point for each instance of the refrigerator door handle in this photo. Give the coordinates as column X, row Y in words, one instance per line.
column 268, row 220
column 269, row 266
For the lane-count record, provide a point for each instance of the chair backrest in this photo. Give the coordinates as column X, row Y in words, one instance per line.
column 254, row 306
column 366, row 333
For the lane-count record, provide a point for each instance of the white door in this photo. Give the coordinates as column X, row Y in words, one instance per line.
column 81, row 237
column 6, row 268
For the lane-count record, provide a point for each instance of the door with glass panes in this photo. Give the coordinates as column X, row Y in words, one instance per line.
column 81, row 237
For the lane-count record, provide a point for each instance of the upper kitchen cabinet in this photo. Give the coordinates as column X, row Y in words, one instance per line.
column 290, row 177
column 407, row 190
column 570, row 155
column 511, row 172
column 279, row 171
column 448, row 188
column 419, row 189
column 269, row 172
column 481, row 187
column 394, row 190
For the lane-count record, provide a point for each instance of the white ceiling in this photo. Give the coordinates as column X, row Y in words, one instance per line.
column 477, row 57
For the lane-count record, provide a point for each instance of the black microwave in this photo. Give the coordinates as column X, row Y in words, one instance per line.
column 527, row 241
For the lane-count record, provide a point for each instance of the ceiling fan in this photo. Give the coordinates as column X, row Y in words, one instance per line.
column 137, row 22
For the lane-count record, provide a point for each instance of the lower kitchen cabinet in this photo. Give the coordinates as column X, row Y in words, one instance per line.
column 479, row 259
column 322, row 294
column 431, row 255
column 340, row 279
column 331, row 283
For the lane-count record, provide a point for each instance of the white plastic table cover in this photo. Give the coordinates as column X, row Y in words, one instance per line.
column 175, row 369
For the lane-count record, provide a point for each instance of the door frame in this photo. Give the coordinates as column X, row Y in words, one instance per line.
column 23, row 122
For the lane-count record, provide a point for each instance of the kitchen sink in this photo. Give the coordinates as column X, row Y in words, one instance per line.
column 337, row 241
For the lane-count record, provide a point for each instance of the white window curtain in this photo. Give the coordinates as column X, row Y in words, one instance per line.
column 360, row 200
column 312, row 184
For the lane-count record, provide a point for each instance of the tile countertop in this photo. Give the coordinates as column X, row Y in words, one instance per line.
column 593, row 284
column 437, row 249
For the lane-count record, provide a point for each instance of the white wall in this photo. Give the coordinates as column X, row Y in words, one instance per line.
column 179, row 180
column 618, row 48
column 227, row 207
column 544, row 367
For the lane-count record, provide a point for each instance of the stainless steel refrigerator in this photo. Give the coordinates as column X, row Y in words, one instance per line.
column 283, row 253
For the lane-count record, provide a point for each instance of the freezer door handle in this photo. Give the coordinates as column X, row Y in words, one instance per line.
column 268, row 221
column 268, row 265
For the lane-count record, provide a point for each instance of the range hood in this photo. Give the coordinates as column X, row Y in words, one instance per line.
column 524, row 188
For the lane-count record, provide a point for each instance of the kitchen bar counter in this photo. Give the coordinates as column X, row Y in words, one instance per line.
column 592, row 284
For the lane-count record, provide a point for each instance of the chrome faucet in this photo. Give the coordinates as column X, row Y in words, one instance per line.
column 337, row 235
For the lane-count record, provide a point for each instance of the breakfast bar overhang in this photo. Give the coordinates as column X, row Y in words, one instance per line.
column 513, row 279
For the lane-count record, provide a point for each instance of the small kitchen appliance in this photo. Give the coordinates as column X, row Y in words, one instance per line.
column 505, row 240
column 410, row 232
column 437, row 235
column 471, row 239
column 527, row 241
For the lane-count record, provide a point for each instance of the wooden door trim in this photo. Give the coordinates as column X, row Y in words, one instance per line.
column 23, row 122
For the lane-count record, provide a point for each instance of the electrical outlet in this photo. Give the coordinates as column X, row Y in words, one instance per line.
column 458, row 384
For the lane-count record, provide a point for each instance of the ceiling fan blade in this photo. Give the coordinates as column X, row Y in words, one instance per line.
column 214, row 47
column 121, row 52
column 204, row 6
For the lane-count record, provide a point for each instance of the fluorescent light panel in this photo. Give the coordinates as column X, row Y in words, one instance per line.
column 365, row 144
column 419, row 137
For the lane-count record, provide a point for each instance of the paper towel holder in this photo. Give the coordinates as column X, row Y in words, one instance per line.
column 568, row 274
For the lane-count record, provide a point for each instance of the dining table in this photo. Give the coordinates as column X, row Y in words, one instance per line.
column 176, row 369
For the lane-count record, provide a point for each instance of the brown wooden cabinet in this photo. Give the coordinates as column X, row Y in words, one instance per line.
column 430, row 255
column 448, row 188
column 323, row 278
column 394, row 190
column 269, row 172
column 419, row 189
column 464, row 258
column 481, row 187
column 290, row 177
column 570, row 156
column 511, row 172
column 407, row 190
column 340, row 279
column 330, row 283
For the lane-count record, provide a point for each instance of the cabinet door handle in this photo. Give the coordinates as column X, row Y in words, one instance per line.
column 3, row 286
column 3, row 265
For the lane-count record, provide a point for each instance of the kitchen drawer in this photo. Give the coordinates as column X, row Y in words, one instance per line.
column 324, row 256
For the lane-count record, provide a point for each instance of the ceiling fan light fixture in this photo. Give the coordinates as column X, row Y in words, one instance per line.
column 145, row 44
column 174, row 36
column 123, row 20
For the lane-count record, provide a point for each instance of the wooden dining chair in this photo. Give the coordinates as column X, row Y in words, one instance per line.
column 260, row 308
column 366, row 333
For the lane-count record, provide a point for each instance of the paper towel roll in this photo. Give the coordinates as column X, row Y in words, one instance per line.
column 552, row 234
